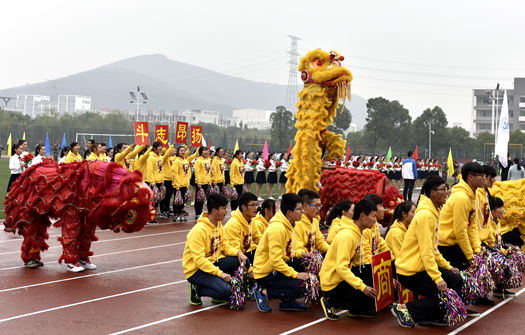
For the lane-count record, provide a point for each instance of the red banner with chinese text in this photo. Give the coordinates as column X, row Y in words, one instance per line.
column 196, row 136
column 161, row 134
column 383, row 280
column 141, row 133
column 405, row 295
column 181, row 134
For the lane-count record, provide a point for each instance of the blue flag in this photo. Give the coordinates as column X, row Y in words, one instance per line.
column 48, row 148
column 63, row 145
column 110, row 143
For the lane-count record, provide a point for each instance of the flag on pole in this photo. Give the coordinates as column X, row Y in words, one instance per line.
column 203, row 142
column 347, row 153
column 502, row 140
column 290, row 149
column 110, row 142
column 389, row 154
column 9, row 145
column 48, row 147
column 91, row 137
column 416, row 156
column 265, row 150
column 209, row 144
column 236, row 146
column 450, row 163
column 64, row 144
column 24, row 136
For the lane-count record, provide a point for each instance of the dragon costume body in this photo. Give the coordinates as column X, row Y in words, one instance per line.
column 325, row 83
column 80, row 196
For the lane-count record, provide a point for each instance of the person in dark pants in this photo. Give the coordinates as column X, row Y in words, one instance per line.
column 420, row 266
column 343, row 286
column 409, row 174
column 208, row 260
column 202, row 178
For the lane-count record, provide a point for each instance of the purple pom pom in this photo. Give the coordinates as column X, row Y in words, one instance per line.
column 178, row 198
column 455, row 309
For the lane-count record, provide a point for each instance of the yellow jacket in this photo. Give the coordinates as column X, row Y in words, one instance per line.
column 120, row 157
column 140, row 162
column 217, row 170
column 241, row 234
column 205, row 244
column 373, row 243
column 483, row 215
column 307, row 236
column 489, row 236
column 237, row 172
column 337, row 263
column 260, row 223
column 275, row 249
column 93, row 157
column 202, row 171
column 154, row 169
column 167, row 161
column 419, row 251
column 458, row 220
column 103, row 157
column 395, row 236
column 71, row 157
column 180, row 173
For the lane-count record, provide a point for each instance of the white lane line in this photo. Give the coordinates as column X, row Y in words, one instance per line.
column 484, row 314
column 106, row 254
column 87, row 276
column 98, row 231
column 89, row 301
column 103, row 241
column 167, row 319
column 309, row 324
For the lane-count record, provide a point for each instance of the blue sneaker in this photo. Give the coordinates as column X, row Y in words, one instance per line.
column 262, row 301
column 291, row 305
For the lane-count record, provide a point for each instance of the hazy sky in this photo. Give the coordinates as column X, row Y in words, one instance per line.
column 422, row 53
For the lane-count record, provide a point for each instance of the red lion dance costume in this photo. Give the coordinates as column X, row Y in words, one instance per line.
column 80, row 196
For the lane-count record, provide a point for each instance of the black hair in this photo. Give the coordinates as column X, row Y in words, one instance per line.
column 201, row 150
column 37, row 149
column 337, row 210
column 72, row 145
column 103, row 144
column 289, row 201
column 267, row 204
column 64, row 151
column 409, row 153
column 21, row 142
column 15, row 146
column 431, row 183
column 403, row 207
column 218, row 149
column 470, row 168
column 365, row 206
column 495, row 202
column 92, row 141
column 376, row 199
column 517, row 161
column 117, row 150
column 270, row 155
column 178, row 149
column 237, row 152
column 308, row 195
column 215, row 201
column 245, row 198
column 156, row 144
column 489, row 170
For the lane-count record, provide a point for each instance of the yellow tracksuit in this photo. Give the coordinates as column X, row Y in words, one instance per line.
column 336, row 226
column 217, row 170
column 132, row 155
column 308, row 236
column 71, row 157
column 275, row 249
column 237, row 172
column 205, row 243
column 93, row 157
column 167, row 162
column 140, row 162
column 154, row 169
column 419, row 251
column 395, row 236
column 373, row 243
column 202, row 171
column 180, row 173
column 120, row 157
column 486, row 230
column 458, row 221
column 260, row 223
column 337, row 263
column 241, row 234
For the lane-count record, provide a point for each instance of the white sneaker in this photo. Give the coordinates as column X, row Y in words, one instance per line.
column 87, row 265
column 74, row 267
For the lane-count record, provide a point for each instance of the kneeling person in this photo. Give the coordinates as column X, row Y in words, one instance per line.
column 208, row 260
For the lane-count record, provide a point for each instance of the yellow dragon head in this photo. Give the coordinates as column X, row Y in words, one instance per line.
column 322, row 68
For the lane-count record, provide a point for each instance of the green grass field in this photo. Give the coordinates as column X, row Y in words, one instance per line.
column 4, row 179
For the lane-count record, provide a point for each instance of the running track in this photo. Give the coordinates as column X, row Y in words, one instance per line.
column 139, row 288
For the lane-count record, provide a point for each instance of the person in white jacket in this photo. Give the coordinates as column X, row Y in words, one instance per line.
column 516, row 171
column 272, row 175
column 16, row 165
column 40, row 152
column 285, row 163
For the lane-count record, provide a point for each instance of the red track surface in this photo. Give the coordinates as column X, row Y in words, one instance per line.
column 139, row 284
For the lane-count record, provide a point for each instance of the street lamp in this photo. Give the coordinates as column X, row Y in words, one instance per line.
column 138, row 98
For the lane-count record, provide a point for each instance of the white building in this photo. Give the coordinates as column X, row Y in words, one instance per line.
column 255, row 118
column 33, row 104
column 73, row 104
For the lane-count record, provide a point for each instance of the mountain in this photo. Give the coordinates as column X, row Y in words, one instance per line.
column 169, row 85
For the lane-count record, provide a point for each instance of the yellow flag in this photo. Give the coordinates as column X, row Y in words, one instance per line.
column 24, row 136
column 450, row 163
column 236, row 146
column 9, row 145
